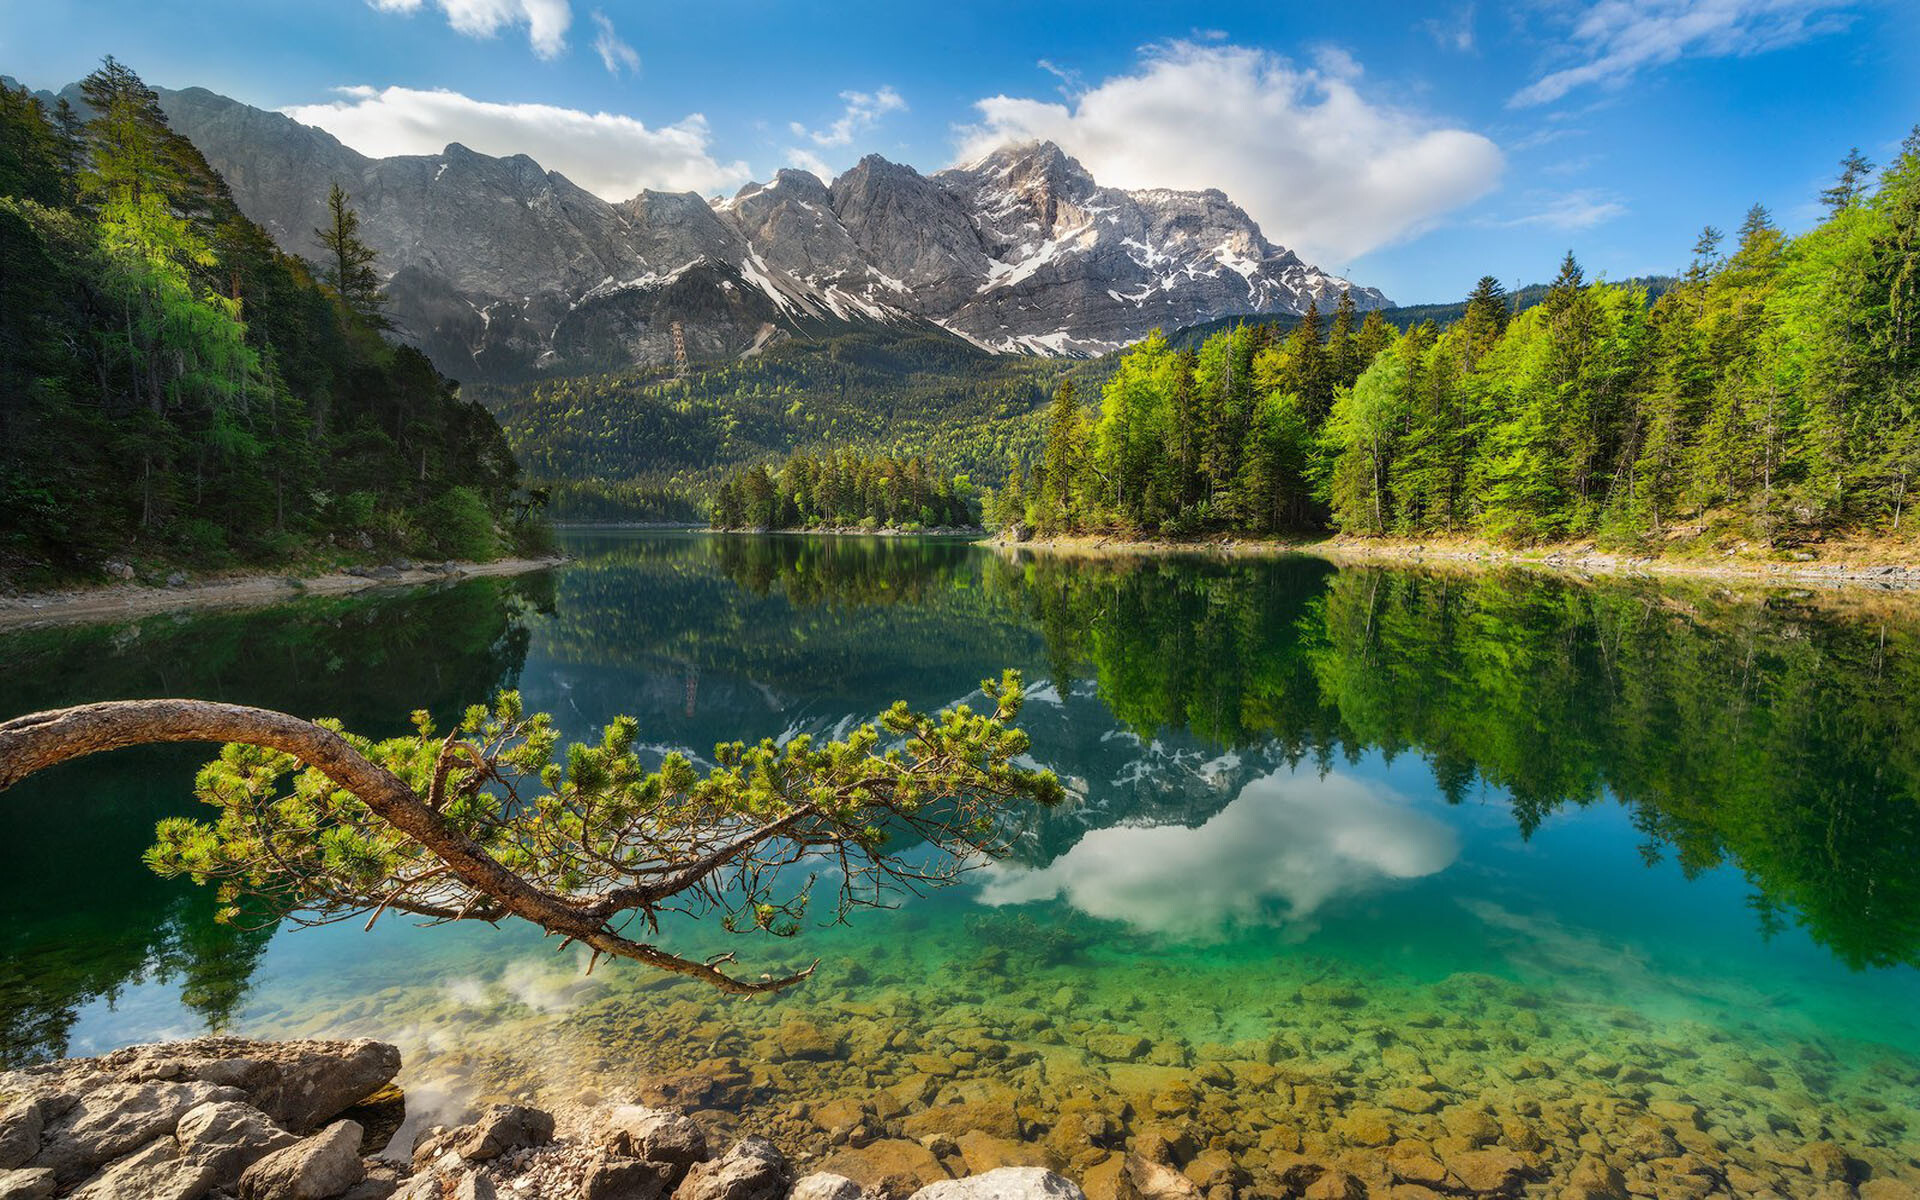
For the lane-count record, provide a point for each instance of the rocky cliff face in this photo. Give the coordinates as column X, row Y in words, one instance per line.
column 500, row 268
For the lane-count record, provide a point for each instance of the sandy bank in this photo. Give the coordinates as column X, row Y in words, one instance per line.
column 128, row 600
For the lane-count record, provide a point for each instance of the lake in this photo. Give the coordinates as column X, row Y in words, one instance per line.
column 1378, row 863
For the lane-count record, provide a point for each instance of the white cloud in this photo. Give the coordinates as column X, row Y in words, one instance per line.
column 1582, row 208
column 807, row 160
column 614, row 157
column 1325, row 171
column 616, row 54
column 546, row 20
column 1616, row 39
column 1454, row 34
column 861, row 112
column 1287, row 845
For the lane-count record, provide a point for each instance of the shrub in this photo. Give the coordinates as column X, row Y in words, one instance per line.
column 458, row 525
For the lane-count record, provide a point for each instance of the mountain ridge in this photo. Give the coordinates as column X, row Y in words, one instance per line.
column 501, row 269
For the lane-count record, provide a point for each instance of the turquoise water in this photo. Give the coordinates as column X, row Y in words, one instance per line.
column 1354, row 857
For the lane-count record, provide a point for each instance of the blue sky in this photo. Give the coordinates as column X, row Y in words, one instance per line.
column 1417, row 146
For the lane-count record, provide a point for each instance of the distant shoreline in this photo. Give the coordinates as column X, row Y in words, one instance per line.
column 971, row 532
column 120, row 601
column 1874, row 567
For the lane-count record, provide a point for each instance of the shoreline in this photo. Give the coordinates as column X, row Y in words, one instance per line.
column 120, row 601
column 973, row 533
column 1578, row 559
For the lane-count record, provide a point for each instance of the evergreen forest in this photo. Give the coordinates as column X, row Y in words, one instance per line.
column 1770, row 395
column 177, row 392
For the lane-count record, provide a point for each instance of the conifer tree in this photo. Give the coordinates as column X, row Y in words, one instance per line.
column 348, row 268
column 1343, row 359
column 1706, row 253
column 1485, row 318
column 1311, row 372
column 1851, row 184
column 1063, row 451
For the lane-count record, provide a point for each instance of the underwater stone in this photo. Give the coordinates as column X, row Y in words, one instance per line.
column 805, row 1041
column 1119, row 1047
column 1487, row 1171
column 983, row 1152
column 822, row 1185
column 1143, row 1179
column 1007, row 1183
column 894, row 1167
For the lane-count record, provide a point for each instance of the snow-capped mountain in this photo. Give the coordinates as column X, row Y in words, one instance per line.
column 500, row 268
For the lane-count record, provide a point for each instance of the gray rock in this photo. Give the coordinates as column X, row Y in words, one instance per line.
column 1005, row 1183
column 26, row 1183
column 627, row 1179
column 228, row 1137
column 382, row 1180
column 116, row 1119
column 455, row 1185
column 635, row 1131
column 115, row 569
column 299, row 1084
column 752, row 1169
column 177, row 579
column 20, row 1126
column 157, row 1171
column 316, row 1168
column 501, row 1128
column 824, row 1185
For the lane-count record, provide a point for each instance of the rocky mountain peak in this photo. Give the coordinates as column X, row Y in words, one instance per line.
column 500, row 267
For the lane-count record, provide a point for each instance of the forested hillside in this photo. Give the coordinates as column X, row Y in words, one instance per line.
column 176, row 391
column 847, row 490
column 649, row 445
column 1772, row 394
column 1401, row 317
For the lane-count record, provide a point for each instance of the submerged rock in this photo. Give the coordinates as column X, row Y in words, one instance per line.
column 1143, row 1179
column 891, row 1167
column 1006, row 1183
column 824, row 1185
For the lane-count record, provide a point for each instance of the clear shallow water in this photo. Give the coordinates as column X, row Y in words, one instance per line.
column 1356, row 856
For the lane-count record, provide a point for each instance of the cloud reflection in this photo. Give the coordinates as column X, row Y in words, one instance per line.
column 1282, row 848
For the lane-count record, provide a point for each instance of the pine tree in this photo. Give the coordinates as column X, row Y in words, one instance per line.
column 1343, row 359
column 1311, row 372
column 1062, row 461
column 1566, row 284
column 1375, row 335
column 1008, row 506
column 1851, row 184
column 71, row 131
column 1706, row 253
column 1485, row 318
column 348, row 269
